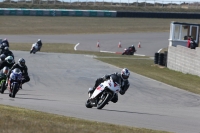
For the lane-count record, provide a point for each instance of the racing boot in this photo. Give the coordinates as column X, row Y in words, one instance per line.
column 20, row 86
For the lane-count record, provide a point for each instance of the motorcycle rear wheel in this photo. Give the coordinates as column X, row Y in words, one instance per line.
column 103, row 101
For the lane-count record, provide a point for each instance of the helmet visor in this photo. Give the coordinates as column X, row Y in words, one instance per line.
column 22, row 63
column 124, row 76
column 10, row 61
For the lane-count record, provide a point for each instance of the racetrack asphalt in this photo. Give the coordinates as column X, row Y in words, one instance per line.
column 59, row 85
column 150, row 42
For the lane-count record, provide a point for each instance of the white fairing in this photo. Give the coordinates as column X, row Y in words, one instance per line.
column 115, row 87
column 15, row 76
column 35, row 45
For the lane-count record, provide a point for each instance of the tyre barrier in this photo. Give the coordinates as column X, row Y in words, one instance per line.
column 158, row 15
column 165, row 58
column 56, row 12
column 161, row 59
column 156, row 58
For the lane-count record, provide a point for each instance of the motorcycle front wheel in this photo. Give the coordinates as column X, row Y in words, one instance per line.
column 3, row 87
column 15, row 89
column 105, row 98
column 88, row 104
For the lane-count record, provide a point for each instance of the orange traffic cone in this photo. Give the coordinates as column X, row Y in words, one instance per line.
column 98, row 45
column 119, row 45
column 139, row 45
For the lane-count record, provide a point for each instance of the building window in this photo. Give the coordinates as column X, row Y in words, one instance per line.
column 176, row 32
column 185, row 31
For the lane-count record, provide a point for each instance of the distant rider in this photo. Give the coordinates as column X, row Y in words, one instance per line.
column 39, row 43
column 7, row 52
column 22, row 66
column 124, row 83
column 2, row 46
column 6, row 42
column 132, row 48
column 8, row 62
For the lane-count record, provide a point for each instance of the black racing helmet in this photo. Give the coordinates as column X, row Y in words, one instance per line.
column 2, row 56
column 21, row 62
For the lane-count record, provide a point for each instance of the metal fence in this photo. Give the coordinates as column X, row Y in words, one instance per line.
column 135, row 3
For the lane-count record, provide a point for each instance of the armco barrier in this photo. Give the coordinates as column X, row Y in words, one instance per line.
column 158, row 15
column 57, row 12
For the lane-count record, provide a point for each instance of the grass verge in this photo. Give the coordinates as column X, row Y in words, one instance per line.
column 17, row 25
column 18, row 120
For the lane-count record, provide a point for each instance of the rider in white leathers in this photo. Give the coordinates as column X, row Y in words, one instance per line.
column 124, row 83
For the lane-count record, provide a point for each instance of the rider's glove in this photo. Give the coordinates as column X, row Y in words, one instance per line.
column 106, row 77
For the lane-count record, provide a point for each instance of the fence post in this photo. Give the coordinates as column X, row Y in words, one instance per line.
column 137, row 3
column 171, row 5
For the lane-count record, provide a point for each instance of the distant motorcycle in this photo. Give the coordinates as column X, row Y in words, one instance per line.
column 129, row 51
column 104, row 93
column 34, row 48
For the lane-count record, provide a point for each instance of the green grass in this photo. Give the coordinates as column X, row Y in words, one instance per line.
column 18, row 120
column 83, row 25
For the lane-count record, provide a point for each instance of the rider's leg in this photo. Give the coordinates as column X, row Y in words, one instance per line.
column 26, row 79
column 115, row 98
column 97, row 83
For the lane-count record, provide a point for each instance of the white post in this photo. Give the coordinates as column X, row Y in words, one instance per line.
column 137, row 3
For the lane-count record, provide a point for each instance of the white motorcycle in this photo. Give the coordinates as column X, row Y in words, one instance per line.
column 34, row 48
column 104, row 93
